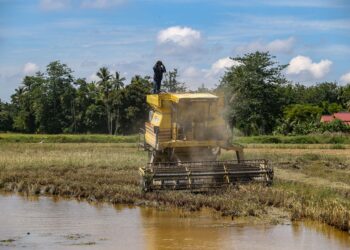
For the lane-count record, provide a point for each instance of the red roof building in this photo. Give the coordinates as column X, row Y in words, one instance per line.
column 343, row 116
column 327, row 118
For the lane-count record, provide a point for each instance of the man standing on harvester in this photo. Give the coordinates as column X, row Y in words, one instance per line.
column 158, row 70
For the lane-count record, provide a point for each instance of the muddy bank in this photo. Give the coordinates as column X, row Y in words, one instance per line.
column 248, row 202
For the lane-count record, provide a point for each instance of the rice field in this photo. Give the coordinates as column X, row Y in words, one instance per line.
column 311, row 182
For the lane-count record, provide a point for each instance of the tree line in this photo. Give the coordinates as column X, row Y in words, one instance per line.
column 55, row 102
column 259, row 100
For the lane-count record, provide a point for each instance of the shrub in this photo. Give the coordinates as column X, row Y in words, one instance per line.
column 335, row 126
column 270, row 139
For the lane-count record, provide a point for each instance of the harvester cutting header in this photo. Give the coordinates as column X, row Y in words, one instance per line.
column 184, row 137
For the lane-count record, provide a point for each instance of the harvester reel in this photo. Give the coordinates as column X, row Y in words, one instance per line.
column 201, row 176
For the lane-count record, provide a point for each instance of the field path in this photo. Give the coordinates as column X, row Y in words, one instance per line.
column 289, row 175
column 296, row 151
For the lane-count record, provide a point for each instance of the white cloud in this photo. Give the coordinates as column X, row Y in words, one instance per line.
column 277, row 25
column 73, row 23
column 302, row 64
column 303, row 3
column 54, row 4
column 221, row 65
column 181, row 36
column 100, row 4
column 195, row 77
column 93, row 78
column 50, row 5
column 345, row 78
column 290, row 3
column 30, row 68
column 275, row 46
column 281, row 45
column 89, row 64
column 192, row 72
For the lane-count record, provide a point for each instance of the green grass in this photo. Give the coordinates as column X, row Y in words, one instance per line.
column 336, row 140
column 66, row 138
column 300, row 139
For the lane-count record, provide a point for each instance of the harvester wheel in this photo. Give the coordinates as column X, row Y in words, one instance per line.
column 269, row 178
column 144, row 186
column 146, row 182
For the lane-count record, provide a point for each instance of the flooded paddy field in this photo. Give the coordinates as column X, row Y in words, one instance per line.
column 309, row 184
column 52, row 223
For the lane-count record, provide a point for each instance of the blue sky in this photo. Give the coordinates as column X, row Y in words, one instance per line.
column 195, row 36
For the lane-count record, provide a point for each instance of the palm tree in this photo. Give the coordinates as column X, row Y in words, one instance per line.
column 105, row 87
column 104, row 74
column 118, row 85
column 117, row 81
column 104, row 83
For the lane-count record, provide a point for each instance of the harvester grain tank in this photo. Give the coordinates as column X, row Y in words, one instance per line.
column 184, row 137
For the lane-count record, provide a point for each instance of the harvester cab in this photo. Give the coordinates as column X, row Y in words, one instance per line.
column 184, row 138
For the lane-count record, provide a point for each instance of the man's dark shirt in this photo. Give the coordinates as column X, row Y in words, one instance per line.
column 158, row 72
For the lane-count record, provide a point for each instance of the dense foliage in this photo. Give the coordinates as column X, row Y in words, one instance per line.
column 259, row 100
column 5, row 117
column 56, row 102
column 252, row 97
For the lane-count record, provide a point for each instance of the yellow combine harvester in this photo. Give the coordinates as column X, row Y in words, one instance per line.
column 184, row 137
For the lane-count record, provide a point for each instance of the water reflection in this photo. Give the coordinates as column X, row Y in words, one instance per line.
column 164, row 230
column 69, row 224
column 171, row 230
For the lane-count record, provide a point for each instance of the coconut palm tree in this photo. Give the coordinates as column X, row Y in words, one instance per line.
column 118, row 81
column 118, row 85
column 104, row 74
column 105, row 87
column 104, row 83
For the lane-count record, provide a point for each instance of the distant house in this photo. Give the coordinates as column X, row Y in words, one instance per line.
column 343, row 116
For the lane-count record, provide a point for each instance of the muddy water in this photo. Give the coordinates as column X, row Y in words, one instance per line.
column 46, row 223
